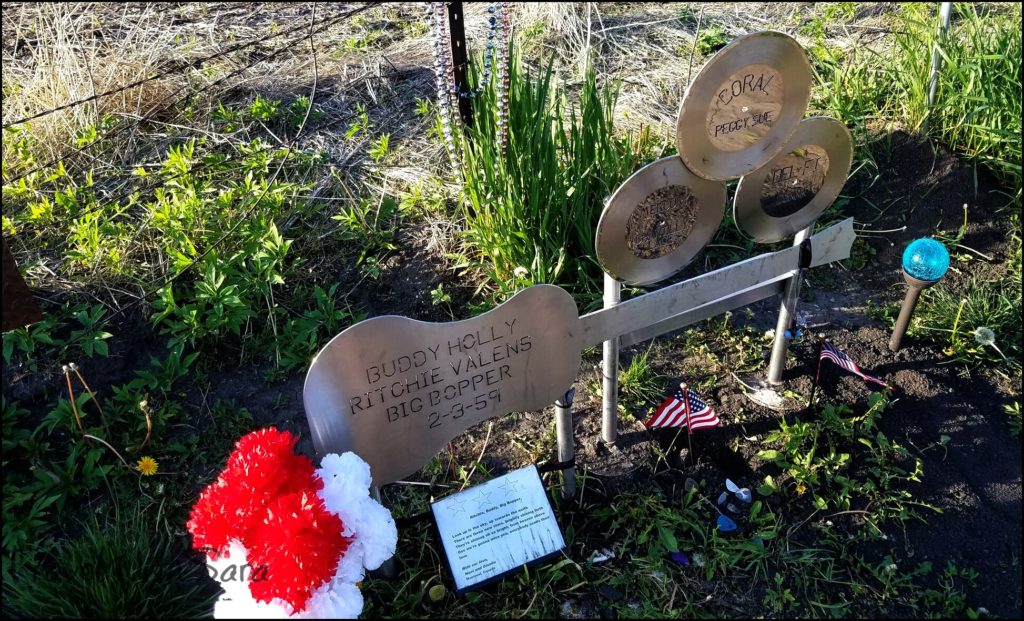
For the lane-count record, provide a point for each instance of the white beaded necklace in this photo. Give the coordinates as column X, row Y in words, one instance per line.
column 448, row 93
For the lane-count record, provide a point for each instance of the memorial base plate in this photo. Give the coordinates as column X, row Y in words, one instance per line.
column 771, row 397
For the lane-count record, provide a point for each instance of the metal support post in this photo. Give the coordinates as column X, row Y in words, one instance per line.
column 787, row 313
column 566, row 441
column 610, row 369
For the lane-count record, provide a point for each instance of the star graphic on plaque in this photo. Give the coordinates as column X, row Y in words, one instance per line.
column 511, row 487
column 483, row 499
column 458, row 504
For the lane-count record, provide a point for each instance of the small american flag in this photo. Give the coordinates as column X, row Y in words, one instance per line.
column 829, row 352
column 672, row 412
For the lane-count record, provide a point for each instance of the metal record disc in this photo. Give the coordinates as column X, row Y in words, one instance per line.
column 657, row 222
column 790, row 192
column 743, row 105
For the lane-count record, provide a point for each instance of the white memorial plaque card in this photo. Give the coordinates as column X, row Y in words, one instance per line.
column 497, row 527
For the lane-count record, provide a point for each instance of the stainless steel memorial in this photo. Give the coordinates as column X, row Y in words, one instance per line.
column 395, row 390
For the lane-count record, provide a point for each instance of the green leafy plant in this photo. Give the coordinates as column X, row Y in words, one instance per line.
column 949, row 599
column 841, row 462
column 302, row 336
column 297, row 111
column 361, row 124
column 371, row 223
column 380, row 150
column 778, row 598
column 264, row 110
column 91, row 337
column 1013, row 413
column 439, row 296
column 712, row 39
column 55, row 336
column 27, row 341
column 639, row 385
column 216, row 308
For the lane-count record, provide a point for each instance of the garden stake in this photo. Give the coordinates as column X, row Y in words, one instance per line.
column 933, row 83
column 925, row 262
column 457, row 32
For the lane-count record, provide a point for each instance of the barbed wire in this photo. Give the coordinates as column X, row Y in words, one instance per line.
column 175, row 68
column 161, row 181
column 323, row 25
column 315, row 26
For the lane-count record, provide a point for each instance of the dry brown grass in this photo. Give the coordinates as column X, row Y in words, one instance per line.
column 68, row 53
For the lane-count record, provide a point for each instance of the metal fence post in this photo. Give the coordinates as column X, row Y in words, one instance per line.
column 933, row 86
column 457, row 31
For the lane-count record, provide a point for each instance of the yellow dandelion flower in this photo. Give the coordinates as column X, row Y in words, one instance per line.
column 147, row 466
column 801, row 489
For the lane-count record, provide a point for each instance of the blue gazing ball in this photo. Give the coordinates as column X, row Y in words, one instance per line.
column 926, row 259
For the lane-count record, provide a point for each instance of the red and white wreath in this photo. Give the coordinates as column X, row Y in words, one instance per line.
column 286, row 539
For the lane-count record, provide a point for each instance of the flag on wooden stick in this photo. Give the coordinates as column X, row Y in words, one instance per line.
column 692, row 412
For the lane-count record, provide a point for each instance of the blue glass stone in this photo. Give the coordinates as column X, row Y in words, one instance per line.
column 725, row 524
column 926, row 259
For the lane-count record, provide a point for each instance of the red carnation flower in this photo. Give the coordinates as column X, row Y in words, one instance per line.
column 300, row 543
column 262, row 467
column 211, row 527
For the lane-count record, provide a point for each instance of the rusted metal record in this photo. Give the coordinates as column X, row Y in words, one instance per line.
column 657, row 222
column 790, row 192
column 743, row 105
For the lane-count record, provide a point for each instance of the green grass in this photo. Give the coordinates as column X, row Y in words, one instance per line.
column 125, row 568
column 978, row 104
column 977, row 110
column 531, row 213
column 958, row 322
column 799, row 554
